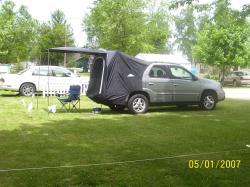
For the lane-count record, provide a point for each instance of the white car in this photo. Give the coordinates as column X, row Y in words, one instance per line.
column 36, row 78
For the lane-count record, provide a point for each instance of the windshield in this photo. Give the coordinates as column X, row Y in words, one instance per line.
column 23, row 71
column 246, row 72
column 239, row 73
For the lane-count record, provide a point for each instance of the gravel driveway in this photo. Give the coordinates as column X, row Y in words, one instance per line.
column 237, row 93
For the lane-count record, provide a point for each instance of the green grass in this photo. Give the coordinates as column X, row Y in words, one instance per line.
column 84, row 74
column 37, row 139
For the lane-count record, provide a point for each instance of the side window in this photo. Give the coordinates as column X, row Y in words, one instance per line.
column 180, row 73
column 41, row 72
column 61, row 73
column 232, row 74
column 158, row 71
column 239, row 73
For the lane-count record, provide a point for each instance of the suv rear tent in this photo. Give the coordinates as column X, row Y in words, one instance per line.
column 114, row 75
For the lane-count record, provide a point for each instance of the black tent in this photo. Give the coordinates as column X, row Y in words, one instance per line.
column 114, row 75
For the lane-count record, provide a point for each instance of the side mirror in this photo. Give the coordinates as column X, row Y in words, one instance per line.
column 195, row 78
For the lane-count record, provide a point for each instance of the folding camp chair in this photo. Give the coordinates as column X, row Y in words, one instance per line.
column 70, row 103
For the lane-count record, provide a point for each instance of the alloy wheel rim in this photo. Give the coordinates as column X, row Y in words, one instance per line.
column 209, row 102
column 234, row 83
column 28, row 90
column 139, row 105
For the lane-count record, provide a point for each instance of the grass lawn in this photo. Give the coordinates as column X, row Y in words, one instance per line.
column 84, row 74
column 37, row 139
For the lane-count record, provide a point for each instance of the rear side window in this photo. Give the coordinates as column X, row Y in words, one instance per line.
column 61, row 73
column 158, row 71
column 247, row 73
column 42, row 72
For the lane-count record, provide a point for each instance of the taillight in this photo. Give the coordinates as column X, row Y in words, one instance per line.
column 1, row 80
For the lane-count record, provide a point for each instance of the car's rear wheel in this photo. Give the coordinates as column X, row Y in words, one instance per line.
column 27, row 89
column 138, row 104
column 208, row 100
column 235, row 84
column 117, row 108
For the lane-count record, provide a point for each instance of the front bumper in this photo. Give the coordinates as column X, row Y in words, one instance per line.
column 8, row 87
column 221, row 95
column 245, row 82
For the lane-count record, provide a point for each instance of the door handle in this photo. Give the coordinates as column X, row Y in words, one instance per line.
column 150, row 83
column 176, row 84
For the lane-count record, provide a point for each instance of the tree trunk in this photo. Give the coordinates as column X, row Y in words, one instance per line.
column 222, row 74
column 236, row 68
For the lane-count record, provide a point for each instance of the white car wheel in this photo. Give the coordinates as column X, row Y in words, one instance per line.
column 27, row 89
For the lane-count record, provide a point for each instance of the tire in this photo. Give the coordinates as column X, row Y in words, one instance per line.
column 235, row 84
column 138, row 104
column 117, row 108
column 208, row 101
column 222, row 83
column 27, row 89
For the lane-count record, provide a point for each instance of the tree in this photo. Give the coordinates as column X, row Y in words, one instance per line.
column 56, row 33
column 178, row 3
column 58, row 18
column 157, row 27
column 224, row 41
column 17, row 33
column 186, row 31
column 187, row 23
column 125, row 25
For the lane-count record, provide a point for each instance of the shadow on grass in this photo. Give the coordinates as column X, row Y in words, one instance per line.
column 122, row 137
column 15, row 94
column 154, row 109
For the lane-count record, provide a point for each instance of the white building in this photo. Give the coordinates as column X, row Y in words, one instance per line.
column 175, row 59
column 5, row 68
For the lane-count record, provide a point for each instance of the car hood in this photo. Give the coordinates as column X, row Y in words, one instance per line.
column 209, row 81
column 9, row 76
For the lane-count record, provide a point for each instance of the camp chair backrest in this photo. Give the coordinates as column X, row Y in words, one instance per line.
column 74, row 91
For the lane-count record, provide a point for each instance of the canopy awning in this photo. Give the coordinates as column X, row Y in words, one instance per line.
column 77, row 50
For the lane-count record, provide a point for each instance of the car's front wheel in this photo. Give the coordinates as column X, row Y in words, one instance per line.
column 208, row 100
column 235, row 84
column 27, row 89
column 138, row 104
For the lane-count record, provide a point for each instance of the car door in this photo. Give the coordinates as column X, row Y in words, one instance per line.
column 230, row 78
column 62, row 78
column 185, row 87
column 40, row 77
column 158, row 84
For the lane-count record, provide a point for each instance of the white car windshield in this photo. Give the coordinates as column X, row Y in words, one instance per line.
column 23, row 71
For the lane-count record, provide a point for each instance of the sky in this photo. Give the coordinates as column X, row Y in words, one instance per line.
column 75, row 10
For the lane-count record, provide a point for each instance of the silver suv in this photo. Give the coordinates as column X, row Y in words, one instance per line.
column 172, row 84
column 119, row 80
